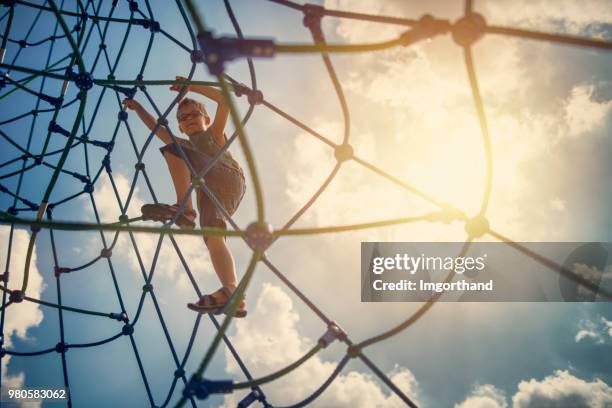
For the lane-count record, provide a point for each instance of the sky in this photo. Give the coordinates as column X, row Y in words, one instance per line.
column 412, row 114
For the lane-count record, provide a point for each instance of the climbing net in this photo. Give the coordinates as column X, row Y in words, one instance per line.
column 81, row 37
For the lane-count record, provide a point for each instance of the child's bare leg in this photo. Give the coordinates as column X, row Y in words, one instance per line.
column 181, row 178
column 223, row 261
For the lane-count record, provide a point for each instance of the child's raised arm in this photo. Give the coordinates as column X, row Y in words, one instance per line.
column 218, row 125
column 148, row 119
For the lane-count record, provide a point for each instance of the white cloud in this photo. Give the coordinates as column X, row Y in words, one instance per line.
column 566, row 15
column 413, row 115
column 20, row 317
column 598, row 331
column 582, row 113
column 271, row 327
column 584, row 334
column 559, row 390
column 484, row 396
column 562, row 390
column 168, row 264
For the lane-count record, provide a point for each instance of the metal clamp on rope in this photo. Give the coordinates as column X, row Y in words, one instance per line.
column 81, row 177
column 55, row 128
column 106, row 162
column 121, row 317
column 254, row 395
column 129, row 92
column 313, row 13
column 334, row 332
column 58, row 270
column 427, row 27
column 218, row 51
column 147, row 24
column 84, row 81
column 254, row 96
column 201, row 388
column 108, row 146
column 53, row 101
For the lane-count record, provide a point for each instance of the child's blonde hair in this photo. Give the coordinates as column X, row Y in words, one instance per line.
column 189, row 101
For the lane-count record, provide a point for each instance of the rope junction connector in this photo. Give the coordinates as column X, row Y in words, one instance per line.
column 84, row 81
column 16, row 296
column 122, row 115
column 343, row 152
column 353, row 351
column 197, row 181
column 127, row 329
column 8, row 3
column 313, row 13
column 259, row 236
column 251, row 397
column 61, row 347
column 469, row 29
column 255, row 97
column 89, row 188
column 217, row 51
column 477, row 226
column 58, row 270
column 201, row 388
column 133, row 6
column 334, row 332
column 106, row 253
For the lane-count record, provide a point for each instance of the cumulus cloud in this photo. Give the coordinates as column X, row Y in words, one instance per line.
column 566, row 16
column 561, row 390
column 598, row 331
column 582, row 113
column 168, row 264
column 484, row 396
column 272, row 327
column 20, row 317
column 414, row 116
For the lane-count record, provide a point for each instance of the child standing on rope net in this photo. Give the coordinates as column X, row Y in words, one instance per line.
column 225, row 179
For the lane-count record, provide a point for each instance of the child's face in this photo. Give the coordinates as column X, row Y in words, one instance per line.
column 191, row 120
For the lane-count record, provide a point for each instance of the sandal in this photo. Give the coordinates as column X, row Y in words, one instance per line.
column 165, row 212
column 212, row 304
